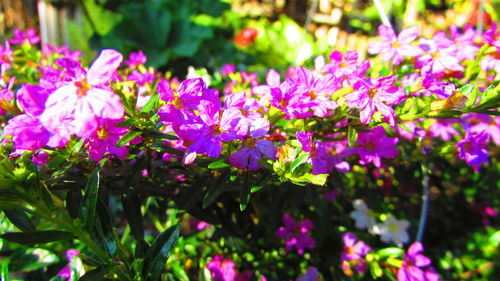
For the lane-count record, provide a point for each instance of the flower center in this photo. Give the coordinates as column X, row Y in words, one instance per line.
column 82, row 87
column 102, row 134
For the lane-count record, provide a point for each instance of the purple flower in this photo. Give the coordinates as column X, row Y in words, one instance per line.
column 66, row 271
column 443, row 129
column 394, row 48
column 136, row 59
column 312, row 274
column 473, row 150
column 180, row 104
column 296, row 235
column 441, row 53
column 376, row 146
column 76, row 107
column 20, row 37
column 376, row 94
column 324, row 156
column 227, row 69
column 40, row 158
column 484, row 123
column 346, row 65
column 353, row 254
column 6, row 96
column 6, row 57
column 104, row 140
column 254, row 148
column 222, row 269
column 206, row 131
column 413, row 263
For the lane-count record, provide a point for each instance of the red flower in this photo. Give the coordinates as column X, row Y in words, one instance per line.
column 245, row 37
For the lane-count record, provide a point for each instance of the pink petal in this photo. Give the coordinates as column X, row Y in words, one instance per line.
column 104, row 67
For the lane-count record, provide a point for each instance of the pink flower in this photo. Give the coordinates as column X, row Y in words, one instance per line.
column 353, row 254
column 376, row 146
column 77, row 106
column 136, row 59
column 413, row 262
column 296, row 235
column 376, row 94
column 222, row 269
column 473, row 150
column 104, row 140
column 20, row 37
column 394, row 48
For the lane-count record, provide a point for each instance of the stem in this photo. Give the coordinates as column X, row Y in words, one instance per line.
column 480, row 18
column 65, row 222
column 313, row 9
column 381, row 13
column 425, row 203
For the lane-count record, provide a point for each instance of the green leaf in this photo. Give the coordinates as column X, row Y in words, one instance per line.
column 4, row 270
column 32, row 259
column 130, row 135
column 90, row 200
column 20, row 220
column 73, row 203
column 10, row 201
column 130, row 122
column 132, row 209
column 352, row 135
column 245, row 192
column 95, row 274
column 106, row 232
column 35, row 237
column 299, row 161
column 151, row 103
column 218, row 164
column 471, row 92
column 157, row 255
column 179, row 272
column 390, row 252
column 215, row 190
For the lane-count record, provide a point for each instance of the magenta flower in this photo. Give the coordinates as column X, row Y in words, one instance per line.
column 66, row 271
column 324, row 156
column 180, row 104
column 6, row 57
column 296, row 235
column 227, row 69
column 6, row 96
column 136, row 59
column 484, row 123
column 394, row 48
column 376, row 146
column 376, row 94
column 413, row 263
column 254, row 148
column 311, row 274
column 443, row 129
column 20, row 37
column 346, row 65
column 222, row 269
column 473, row 150
column 353, row 254
column 441, row 52
column 104, row 140
column 76, row 107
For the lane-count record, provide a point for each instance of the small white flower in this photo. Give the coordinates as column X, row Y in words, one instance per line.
column 393, row 230
column 364, row 217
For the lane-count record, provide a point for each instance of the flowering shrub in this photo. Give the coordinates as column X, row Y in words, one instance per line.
column 78, row 142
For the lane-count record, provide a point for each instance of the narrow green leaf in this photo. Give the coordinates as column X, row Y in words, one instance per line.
column 218, row 164
column 130, row 122
column 10, row 201
column 4, row 270
column 352, row 135
column 299, row 161
column 179, row 272
column 32, row 259
column 90, row 200
column 95, row 274
column 35, row 237
column 162, row 136
column 130, row 135
column 215, row 190
column 108, row 236
column 157, row 255
column 73, row 203
column 390, row 252
column 132, row 208
column 20, row 220
column 151, row 103
column 245, row 193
